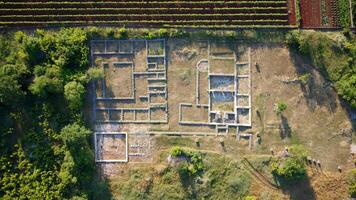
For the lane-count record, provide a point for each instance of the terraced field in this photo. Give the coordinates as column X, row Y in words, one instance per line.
column 135, row 13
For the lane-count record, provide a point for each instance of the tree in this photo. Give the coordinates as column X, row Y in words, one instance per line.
column 73, row 92
column 10, row 88
column 92, row 74
column 291, row 168
column 75, row 136
column 346, row 88
column 49, row 83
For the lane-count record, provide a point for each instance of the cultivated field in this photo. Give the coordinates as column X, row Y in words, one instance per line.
column 223, row 14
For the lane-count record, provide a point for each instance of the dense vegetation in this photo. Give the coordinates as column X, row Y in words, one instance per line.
column 352, row 183
column 45, row 153
column 344, row 13
column 333, row 54
column 292, row 167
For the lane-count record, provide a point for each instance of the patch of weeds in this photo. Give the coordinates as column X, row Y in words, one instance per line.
column 305, row 78
column 281, row 107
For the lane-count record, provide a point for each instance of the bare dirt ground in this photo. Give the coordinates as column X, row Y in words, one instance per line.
column 315, row 116
column 195, row 114
column 111, row 147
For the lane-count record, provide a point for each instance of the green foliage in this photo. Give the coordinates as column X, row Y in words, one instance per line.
column 299, row 151
column 297, row 12
column 20, row 179
column 45, row 153
column 347, row 88
column 333, row 54
column 10, row 87
column 344, row 13
column 352, row 183
column 194, row 166
column 177, row 151
column 281, row 107
column 291, row 168
column 238, row 184
column 49, row 83
column 74, row 92
column 250, row 198
column 221, row 178
column 74, row 135
column 94, row 74
column 304, row 79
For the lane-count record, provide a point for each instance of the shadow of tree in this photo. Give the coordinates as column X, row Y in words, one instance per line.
column 318, row 91
column 300, row 190
column 285, row 129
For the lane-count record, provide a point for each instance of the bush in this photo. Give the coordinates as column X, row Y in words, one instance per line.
column 281, row 106
column 352, row 183
column 195, row 165
column 291, row 169
column 250, row 198
column 177, row 151
column 238, row 184
column 49, row 83
column 299, row 151
column 74, row 92
column 10, row 88
column 304, row 79
column 92, row 74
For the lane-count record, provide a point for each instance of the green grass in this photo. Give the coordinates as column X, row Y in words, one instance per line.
column 221, row 178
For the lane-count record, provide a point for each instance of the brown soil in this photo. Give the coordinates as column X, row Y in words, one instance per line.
column 224, row 66
column 111, row 147
column 195, row 114
column 203, row 88
column 158, row 114
column 314, row 113
column 140, row 55
column 243, row 86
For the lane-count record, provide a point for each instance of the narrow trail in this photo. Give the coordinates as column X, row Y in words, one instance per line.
column 257, row 175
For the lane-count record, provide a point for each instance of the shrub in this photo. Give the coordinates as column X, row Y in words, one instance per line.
column 92, row 74
column 304, row 79
column 49, row 83
column 291, row 169
column 195, row 164
column 250, row 198
column 238, row 184
column 352, row 183
column 177, row 151
column 281, row 106
column 73, row 92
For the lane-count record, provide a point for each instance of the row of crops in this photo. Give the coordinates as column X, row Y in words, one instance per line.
column 183, row 13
